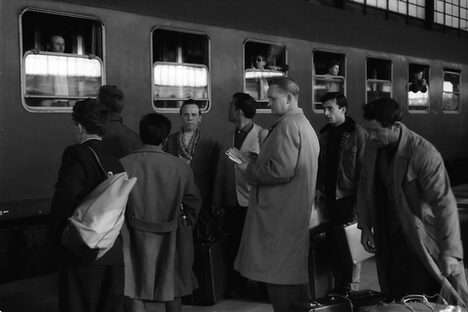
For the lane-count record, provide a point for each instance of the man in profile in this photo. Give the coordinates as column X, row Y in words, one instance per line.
column 56, row 44
column 342, row 143
column 231, row 190
column 118, row 138
column 275, row 240
column 407, row 211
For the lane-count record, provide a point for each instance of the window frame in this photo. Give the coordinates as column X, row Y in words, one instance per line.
column 418, row 63
column 452, row 70
column 152, row 63
column 23, row 55
column 391, row 74
column 345, row 84
column 261, row 41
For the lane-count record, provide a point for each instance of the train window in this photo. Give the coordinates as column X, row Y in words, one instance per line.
column 329, row 76
column 262, row 63
column 62, row 60
column 451, row 91
column 180, row 69
column 418, row 88
column 379, row 79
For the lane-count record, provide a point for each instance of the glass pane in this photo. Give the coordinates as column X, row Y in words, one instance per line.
column 451, row 102
column 378, row 89
column 382, row 4
column 57, row 80
column 256, row 82
column 174, row 81
column 451, row 82
column 325, row 84
column 418, row 101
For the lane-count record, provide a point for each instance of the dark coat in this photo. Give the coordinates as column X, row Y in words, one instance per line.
column 426, row 208
column 151, row 251
column 275, row 239
column 203, row 163
column 351, row 154
column 119, row 139
column 79, row 174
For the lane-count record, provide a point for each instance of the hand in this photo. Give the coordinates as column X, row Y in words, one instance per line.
column 367, row 240
column 450, row 266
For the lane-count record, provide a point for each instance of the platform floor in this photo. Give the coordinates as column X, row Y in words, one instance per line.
column 39, row 294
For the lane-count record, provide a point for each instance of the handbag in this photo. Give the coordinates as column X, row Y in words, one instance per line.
column 95, row 224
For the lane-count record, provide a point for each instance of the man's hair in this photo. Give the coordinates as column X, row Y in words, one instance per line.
column 341, row 100
column 112, row 97
column 287, row 85
column 154, row 129
column 91, row 115
column 190, row 102
column 386, row 111
column 245, row 103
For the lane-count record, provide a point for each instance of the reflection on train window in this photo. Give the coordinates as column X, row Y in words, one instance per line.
column 379, row 79
column 451, row 91
column 62, row 60
column 418, row 88
column 263, row 62
column 180, row 69
column 329, row 76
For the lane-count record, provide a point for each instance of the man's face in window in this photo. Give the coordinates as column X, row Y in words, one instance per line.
column 57, row 44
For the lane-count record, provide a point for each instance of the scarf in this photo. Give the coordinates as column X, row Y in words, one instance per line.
column 186, row 151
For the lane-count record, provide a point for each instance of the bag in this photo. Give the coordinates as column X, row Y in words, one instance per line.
column 327, row 304
column 413, row 303
column 353, row 236
column 365, row 297
column 96, row 222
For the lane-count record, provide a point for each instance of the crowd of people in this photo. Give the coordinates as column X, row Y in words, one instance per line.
column 382, row 174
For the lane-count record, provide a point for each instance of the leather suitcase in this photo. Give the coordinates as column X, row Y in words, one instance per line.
column 211, row 271
column 330, row 303
column 365, row 297
column 320, row 274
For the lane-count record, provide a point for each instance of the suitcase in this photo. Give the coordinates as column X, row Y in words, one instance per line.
column 320, row 273
column 211, row 271
column 365, row 297
column 332, row 303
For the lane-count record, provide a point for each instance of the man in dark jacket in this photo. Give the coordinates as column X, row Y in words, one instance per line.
column 119, row 139
column 341, row 152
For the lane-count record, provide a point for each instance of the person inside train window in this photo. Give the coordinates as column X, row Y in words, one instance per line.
column 407, row 211
column 260, row 62
column 96, row 285
column 200, row 150
column 118, row 139
column 332, row 84
column 231, row 190
column 275, row 239
column 342, row 143
column 158, row 241
column 56, row 44
column 419, row 83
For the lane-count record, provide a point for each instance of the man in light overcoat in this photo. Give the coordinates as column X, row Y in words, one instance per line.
column 407, row 211
column 275, row 240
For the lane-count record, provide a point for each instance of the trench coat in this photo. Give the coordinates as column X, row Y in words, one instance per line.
column 275, row 240
column 426, row 207
column 152, row 259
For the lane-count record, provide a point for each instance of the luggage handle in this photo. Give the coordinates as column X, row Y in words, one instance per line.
column 416, row 298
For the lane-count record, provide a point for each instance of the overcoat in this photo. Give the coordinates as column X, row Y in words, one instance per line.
column 275, row 240
column 425, row 204
column 152, row 257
